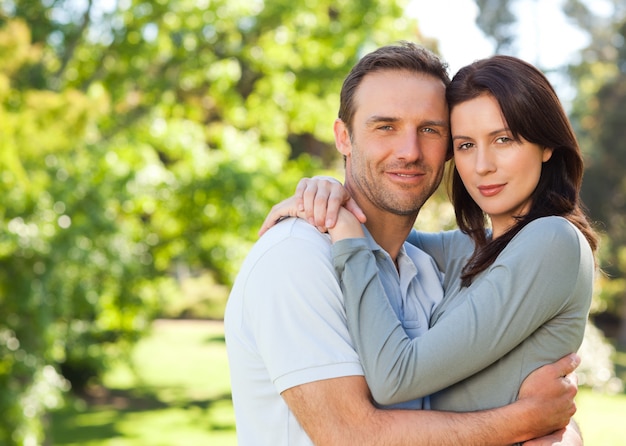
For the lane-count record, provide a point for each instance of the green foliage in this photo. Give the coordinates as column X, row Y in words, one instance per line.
column 70, row 272
column 599, row 117
column 141, row 139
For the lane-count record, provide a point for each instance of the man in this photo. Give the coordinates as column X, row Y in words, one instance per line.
column 295, row 376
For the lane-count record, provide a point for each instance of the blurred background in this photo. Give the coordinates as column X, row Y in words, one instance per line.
column 142, row 144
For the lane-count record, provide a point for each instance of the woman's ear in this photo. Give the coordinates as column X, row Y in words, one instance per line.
column 547, row 153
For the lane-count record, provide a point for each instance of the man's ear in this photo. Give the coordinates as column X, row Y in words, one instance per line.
column 342, row 137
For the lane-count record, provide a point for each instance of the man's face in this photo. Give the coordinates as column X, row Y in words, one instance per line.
column 396, row 155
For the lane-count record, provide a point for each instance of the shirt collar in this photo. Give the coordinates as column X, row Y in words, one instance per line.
column 375, row 247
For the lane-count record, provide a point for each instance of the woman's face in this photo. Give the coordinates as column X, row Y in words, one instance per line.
column 499, row 173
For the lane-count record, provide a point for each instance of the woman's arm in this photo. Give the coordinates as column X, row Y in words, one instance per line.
column 528, row 285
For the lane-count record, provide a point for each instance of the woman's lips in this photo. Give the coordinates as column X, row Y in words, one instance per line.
column 491, row 189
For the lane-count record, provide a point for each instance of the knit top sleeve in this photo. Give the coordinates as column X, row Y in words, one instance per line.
column 545, row 273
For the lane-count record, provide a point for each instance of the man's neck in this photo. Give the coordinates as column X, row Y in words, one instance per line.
column 389, row 230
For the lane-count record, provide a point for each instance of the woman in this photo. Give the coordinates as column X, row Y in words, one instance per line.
column 517, row 294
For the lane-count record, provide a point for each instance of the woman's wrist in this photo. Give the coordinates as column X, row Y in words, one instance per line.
column 347, row 226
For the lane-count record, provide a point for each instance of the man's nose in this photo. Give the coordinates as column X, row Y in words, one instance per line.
column 410, row 148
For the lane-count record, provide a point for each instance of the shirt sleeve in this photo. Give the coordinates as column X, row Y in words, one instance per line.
column 297, row 317
column 531, row 281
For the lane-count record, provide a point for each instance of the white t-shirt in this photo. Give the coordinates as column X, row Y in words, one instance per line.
column 285, row 324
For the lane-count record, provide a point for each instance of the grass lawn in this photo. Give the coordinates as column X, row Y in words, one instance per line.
column 176, row 392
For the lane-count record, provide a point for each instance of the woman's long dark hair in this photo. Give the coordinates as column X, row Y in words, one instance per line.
column 532, row 111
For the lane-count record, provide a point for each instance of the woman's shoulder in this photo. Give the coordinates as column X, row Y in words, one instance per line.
column 553, row 233
column 552, row 226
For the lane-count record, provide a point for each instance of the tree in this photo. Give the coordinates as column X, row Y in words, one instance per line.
column 599, row 115
column 495, row 20
column 138, row 136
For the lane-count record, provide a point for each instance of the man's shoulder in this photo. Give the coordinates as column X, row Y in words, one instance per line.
column 291, row 255
column 292, row 231
column 288, row 241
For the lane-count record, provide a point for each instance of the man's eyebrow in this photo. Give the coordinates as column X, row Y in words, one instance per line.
column 377, row 118
column 436, row 124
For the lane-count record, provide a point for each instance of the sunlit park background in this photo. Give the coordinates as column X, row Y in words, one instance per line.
column 141, row 145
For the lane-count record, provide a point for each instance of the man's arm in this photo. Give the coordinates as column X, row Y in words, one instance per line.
column 340, row 411
column 570, row 436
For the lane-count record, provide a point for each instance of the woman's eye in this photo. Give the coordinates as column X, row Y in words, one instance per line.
column 464, row 146
column 503, row 139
